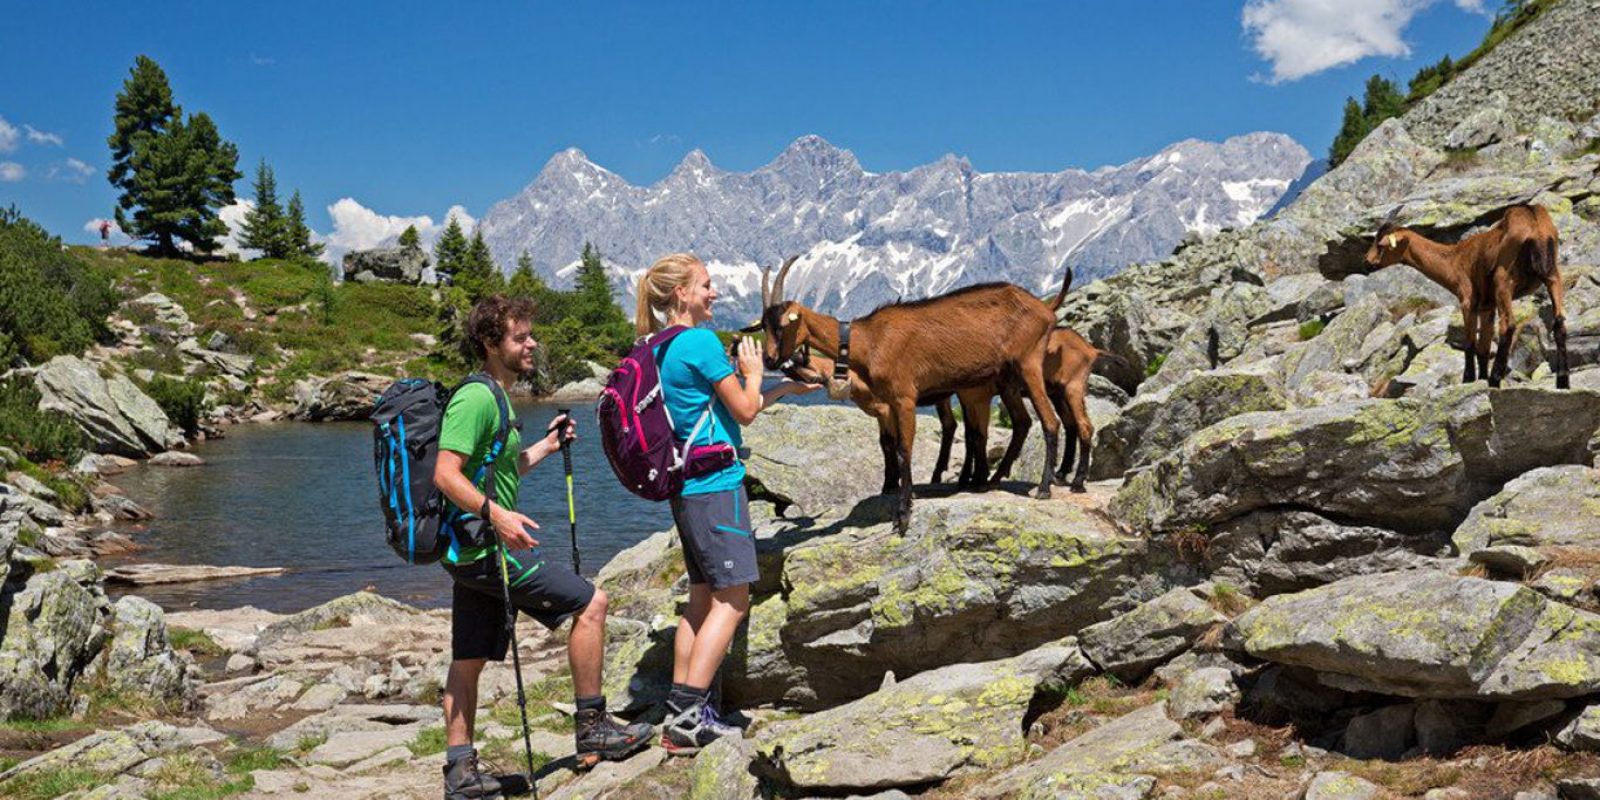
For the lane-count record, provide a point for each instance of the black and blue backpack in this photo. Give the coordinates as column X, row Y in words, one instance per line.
column 419, row 522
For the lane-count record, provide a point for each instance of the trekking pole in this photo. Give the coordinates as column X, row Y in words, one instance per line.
column 572, row 509
column 516, row 665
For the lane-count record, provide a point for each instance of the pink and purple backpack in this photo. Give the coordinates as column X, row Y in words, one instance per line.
column 638, row 433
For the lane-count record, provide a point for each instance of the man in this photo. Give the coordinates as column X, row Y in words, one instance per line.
column 498, row 334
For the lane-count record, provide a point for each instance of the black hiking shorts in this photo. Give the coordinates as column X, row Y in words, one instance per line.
column 550, row 593
column 718, row 547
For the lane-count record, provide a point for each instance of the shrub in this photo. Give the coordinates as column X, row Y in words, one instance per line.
column 184, row 402
column 50, row 302
column 1310, row 328
column 38, row 435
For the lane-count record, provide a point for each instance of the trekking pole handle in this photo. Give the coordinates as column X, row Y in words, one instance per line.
column 566, row 445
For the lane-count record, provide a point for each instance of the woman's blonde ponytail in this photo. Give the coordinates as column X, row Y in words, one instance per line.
column 656, row 285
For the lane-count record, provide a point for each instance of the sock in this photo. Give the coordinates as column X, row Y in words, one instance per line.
column 597, row 702
column 456, row 752
column 684, row 697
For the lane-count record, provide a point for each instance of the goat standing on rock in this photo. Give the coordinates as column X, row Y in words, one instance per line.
column 903, row 352
column 1486, row 272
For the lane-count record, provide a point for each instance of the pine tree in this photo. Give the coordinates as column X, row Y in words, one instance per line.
column 450, row 252
column 265, row 227
column 1383, row 100
column 174, row 174
column 594, row 304
column 1351, row 131
column 409, row 237
column 300, row 243
column 478, row 275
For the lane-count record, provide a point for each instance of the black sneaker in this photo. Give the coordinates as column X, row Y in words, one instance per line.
column 464, row 779
column 687, row 731
column 600, row 737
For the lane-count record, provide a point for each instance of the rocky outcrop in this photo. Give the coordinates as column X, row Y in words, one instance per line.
column 1550, row 507
column 55, row 626
column 1271, row 551
column 1429, row 634
column 1410, row 465
column 1153, row 424
column 115, row 416
column 139, row 659
column 1130, row 645
column 346, row 396
column 582, row 391
column 931, row 727
column 391, row 264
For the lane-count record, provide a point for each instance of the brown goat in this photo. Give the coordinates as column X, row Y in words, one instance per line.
column 906, row 352
column 1486, row 272
column 1069, row 359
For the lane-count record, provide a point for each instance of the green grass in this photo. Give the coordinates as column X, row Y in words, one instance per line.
column 196, row 642
column 48, row 785
column 246, row 760
column 1310, row 328
column 70, row 493
column 310, row 742
column 1154, row 366
column 186, row 776
column 429, row 741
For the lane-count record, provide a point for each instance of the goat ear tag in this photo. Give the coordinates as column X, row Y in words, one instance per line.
column 1391, row 241
column 792, row 317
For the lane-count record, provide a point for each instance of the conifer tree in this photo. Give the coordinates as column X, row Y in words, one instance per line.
column 409, row 237
column 265, row 227
column 450, row 252
column 300, row 243
column 594, row 304
column 173, row 174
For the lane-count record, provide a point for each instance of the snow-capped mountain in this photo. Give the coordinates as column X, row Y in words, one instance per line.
column 868, row 238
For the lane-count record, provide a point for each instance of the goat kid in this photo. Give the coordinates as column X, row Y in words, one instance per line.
column 1486, row 272
column 906, row 352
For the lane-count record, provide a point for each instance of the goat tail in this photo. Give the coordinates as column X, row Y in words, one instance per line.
column 1540, row 256
column 1066, row 284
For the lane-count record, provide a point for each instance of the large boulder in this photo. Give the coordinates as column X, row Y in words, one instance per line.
column 1149, row 427
column 1429, row 634
column 391, row 264
column 1217, row 336
column 101, row 753
column 1339, row 347
column 1118, row 759
column 1547, row 507
column 1274, row 551
column 1490, row 124
column 116, row 417
column 346, row 396
column 1407, row 465
column 974, row 577
column 826, row 459
column 139, row 659
column 54, row 627
column 939, row 724
column 163, row 311
column 1130, row 645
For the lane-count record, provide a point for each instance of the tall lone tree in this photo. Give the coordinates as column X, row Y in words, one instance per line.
column 265, row 227
column 409, row 237
column 173, row 173
column 450, row 252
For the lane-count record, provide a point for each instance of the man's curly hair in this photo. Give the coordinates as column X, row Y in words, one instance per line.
column 489, row 320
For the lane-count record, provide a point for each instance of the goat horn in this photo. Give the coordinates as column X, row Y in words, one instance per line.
column 766, row 287
column 1393, row 215
column 783, row 272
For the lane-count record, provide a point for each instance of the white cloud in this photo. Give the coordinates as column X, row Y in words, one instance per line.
column 8, row 136
column 11, row 172
column 234, row 216
column 72, row 171
column 356, row 227
column 1303, row 37
column 42, row 137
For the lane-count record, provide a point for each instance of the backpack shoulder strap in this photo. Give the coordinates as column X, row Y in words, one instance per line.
column 501, row 434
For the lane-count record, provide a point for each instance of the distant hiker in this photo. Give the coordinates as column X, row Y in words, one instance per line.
column 711, row 512
column 498, row 335
column 105, row 234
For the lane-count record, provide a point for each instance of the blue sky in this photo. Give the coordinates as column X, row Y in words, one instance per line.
column 410, row 109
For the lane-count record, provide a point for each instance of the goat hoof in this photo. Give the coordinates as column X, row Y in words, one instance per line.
column 1078, row 488
column 1041, row 493
column 1563, row 382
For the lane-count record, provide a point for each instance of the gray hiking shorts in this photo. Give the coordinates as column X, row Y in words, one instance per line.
column 718, row 547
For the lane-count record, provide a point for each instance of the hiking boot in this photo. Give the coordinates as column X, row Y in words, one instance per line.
column 693, row 728
column 600, row 737
column 464, row 779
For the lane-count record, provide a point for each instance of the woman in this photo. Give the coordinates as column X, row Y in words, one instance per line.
column 711, row 512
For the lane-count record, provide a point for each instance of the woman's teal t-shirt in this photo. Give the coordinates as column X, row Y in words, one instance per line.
column 694, row 364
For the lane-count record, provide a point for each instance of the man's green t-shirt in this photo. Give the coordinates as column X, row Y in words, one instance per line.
column 470, row 423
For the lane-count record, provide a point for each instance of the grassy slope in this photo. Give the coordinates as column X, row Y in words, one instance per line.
column 369, row 326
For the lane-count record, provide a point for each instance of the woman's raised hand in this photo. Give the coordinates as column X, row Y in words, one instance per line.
column 750, row 358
